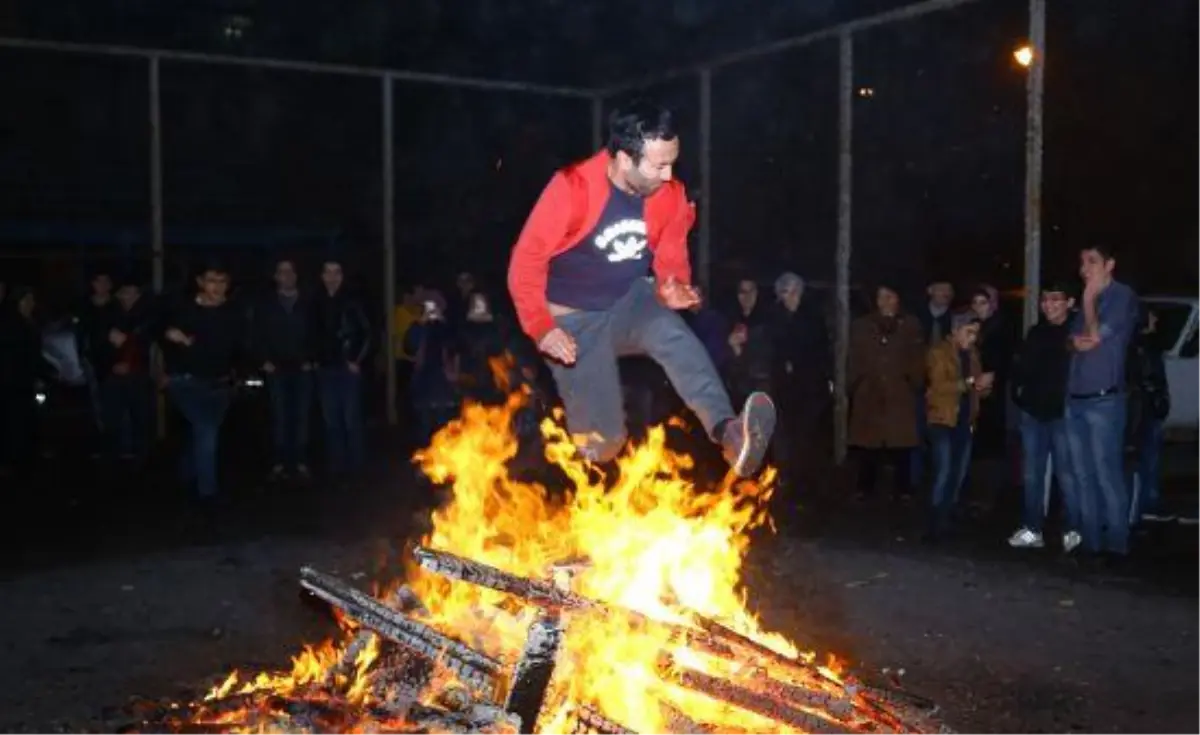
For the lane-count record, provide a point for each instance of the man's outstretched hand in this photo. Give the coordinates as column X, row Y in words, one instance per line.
column 678, row 296
column 559, row 345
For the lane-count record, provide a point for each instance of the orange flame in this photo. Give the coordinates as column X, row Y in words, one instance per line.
column 645, row 539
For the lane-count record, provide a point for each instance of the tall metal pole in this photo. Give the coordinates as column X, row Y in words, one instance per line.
column 1034, row 86
column 704, row 251
column 844, row 222
column 156, row 227
column 389, row 249
column 156, row 178
column 597, row 122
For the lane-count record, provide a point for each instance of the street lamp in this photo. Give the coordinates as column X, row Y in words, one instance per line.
column 1024, row 55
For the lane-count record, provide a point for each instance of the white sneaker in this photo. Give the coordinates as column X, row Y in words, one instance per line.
column 1026, row 538
column 1157, row 517
column 1071, row 539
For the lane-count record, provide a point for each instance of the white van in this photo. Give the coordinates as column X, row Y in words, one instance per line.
column 1178, row 322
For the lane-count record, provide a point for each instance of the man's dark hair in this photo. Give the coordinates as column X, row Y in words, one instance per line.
column 212, row 266
column 1059, row 286
column 1105, row 251
column 630, row 126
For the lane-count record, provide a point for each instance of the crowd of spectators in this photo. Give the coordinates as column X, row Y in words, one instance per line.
column 929, row 389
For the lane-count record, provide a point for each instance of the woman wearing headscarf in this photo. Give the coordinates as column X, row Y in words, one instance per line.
column 996, row 346
column 885, row 374
column 801, row 369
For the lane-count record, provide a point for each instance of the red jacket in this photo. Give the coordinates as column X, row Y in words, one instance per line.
column 568, row 209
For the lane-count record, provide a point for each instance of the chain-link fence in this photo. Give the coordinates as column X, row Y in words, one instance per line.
column 890, row 149
column 149, row 163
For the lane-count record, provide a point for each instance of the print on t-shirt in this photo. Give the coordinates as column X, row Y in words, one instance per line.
column 622, row 240
column 601, row 268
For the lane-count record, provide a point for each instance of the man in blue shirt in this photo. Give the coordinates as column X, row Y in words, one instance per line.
column 1100, row 335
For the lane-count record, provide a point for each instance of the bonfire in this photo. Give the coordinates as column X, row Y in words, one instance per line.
column 612, row 606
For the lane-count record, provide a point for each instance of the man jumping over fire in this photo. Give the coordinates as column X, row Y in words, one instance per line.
column 580, row 277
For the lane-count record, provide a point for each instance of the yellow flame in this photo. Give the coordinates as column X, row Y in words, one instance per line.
column 644, row 538
column 648, row 535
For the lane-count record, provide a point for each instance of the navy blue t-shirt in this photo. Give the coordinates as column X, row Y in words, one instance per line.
column 599, row 270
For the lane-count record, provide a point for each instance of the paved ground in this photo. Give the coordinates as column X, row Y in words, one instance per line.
column 108, row 594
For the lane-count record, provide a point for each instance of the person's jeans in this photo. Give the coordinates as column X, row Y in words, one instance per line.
column 342, row 413
column 1145, row 478
column 1095, row 429
column 127, row 403
column 950, row 448
column 291, row 403
column 1046, row 454
column 203, row 404
column 636, row 325
column 916, row 461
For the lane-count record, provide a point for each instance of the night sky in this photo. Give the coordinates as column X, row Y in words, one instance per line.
column 939, row 130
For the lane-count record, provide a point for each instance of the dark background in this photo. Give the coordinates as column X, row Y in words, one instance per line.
column 939, row 143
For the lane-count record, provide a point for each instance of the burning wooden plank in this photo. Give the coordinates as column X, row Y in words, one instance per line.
column 756, row 702
column 474, row 667
column 588, row 720
column 550, row 595
column 675, row 720
column 531, row 676
column 537, row 592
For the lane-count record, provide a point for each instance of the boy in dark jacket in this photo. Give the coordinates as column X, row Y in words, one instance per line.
column 341, row 337
column 1149, row 404
column 283, row 351
column 202, row 343
column 126, row 389
column 1039, row 389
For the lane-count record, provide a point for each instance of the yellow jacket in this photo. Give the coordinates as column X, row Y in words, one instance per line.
column 945, row 387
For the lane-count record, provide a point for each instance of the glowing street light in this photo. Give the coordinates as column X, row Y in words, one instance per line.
column 1024, row 55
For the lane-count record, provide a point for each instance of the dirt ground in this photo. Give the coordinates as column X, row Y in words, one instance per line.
column 1003, row 646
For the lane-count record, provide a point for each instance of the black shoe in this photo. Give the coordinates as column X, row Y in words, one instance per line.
column 745, row 439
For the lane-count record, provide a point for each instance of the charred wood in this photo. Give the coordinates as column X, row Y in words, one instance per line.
column 588, row 720
column 756, row 702
column 474, row 667
column 537, row 592
column 533, row 672
column 675, row 721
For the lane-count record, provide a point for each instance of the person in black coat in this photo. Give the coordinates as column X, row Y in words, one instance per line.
column 1039, row 389
column 21, row 368
column 434, row 385
column 341, row 340
column 1149, row 405
column 203, row 343
column 749, row 366
column 282, row 348
column 995, row 353
column 127, row 389
column 801, row 371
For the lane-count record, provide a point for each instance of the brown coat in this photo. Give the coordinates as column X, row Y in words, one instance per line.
column 885, row 373
column 944, row 375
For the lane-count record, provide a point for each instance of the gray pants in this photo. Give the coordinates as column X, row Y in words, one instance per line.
column 636, row 325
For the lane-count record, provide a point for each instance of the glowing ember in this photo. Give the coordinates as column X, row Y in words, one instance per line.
column 657, row 636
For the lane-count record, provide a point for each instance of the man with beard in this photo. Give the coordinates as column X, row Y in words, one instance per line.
column 580, row 277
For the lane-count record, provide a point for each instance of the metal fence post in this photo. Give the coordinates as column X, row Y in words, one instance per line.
column 597, row 122
column 389, row 249
column 1034, row 85
column 156, row 226
column 844, row 222
column 704, row 251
